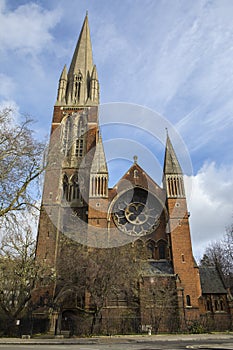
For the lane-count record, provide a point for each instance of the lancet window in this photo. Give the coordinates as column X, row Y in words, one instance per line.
column 162, row 250
column 98, row 186
column 188, row 300
column 77, row 86
column 175, row 186
column 74, row 189
column 150, row 249
column 67, row 135
column 79, row 144
column 71, row 190
column 65, row 187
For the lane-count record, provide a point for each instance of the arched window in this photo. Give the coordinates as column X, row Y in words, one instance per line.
column 216, row 305
column 77, row 87
column 221, row 305
column 74, row 193
column 66, row 136
column 81, row 129
column 150, row 249
column 65, row 188
column 162, row 250
column 208, row 305
column 79, row 143
column 79, row 83
column 188, row 300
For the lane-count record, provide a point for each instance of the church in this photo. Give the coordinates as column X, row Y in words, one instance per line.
column 163, row 289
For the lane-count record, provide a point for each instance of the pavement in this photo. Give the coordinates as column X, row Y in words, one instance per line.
column 118, row 339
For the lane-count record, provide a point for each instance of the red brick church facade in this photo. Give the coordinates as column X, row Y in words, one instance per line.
column 136, row 211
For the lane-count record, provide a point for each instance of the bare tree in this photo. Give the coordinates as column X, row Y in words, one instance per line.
column 160, row 299
column 96, row 276
column 220, row 255
column 110, row 272
column 20, row 164
column 18, row 272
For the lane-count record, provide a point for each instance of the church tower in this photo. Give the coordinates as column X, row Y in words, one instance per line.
column 188, row 280
column 76, row 166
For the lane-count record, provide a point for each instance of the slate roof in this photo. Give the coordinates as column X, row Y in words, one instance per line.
column 152, row 268
column 211, row 281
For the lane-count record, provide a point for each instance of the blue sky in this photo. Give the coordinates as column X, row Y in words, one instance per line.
column 173, row 57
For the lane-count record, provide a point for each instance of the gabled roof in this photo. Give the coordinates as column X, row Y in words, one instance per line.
column 137, row 177
column 211, row 281
column 171, row 163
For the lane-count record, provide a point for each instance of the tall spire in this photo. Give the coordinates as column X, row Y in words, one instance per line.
column 82, row 86
column 171, row 163
column 82, row 58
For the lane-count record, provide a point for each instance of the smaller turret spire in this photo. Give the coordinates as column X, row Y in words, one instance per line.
column 172, row 173
column 99, row 164
column 64, row 73
column 99, row 172
column 171, row 163
column 61, row 94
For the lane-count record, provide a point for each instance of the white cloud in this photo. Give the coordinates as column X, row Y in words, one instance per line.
column 210, row 204
column 195, row 57
column 27, row 28
column 7, row 86
column 107, row 36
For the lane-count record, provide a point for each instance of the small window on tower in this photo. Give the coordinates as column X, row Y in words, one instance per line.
column 188, row 300
column 79, row 147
